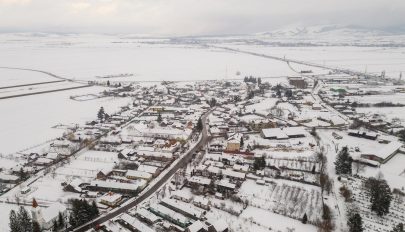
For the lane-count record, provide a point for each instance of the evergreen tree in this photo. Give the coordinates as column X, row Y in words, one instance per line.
column 259, row 163
column 61, row 220
column 24, row 220
column 108, row 83
column 313, row 170
column 304, row 219
column 398, row 228
column 262, row 162
column 22, row 174
column 213, row 102
column 259, row 81
column 288, row 93
column 250, row 95
column 381, row 195
column 343, row 163
column 241, row 141
column 55, row 226
column 94, row 209
column 14, row 224
column 35, row 227
column 72, row 220
column 278, row 93
column 100, row 114
column 159, row 118
column 355, row 223
column 82, row 212
column 199, row 124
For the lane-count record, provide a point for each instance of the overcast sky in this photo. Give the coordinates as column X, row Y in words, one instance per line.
column 193, row 17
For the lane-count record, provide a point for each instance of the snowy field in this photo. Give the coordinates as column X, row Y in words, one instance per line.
column 88, row 57
column 28, row 121
column 393, row 170
column 285, row 198
column 370, row 59
column 389, row 112
column 372, row 99
column 10, row 77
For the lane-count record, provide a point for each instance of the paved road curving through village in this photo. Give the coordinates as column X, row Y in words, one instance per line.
column 181, row 163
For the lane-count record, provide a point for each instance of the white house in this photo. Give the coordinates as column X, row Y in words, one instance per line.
column 46, row 217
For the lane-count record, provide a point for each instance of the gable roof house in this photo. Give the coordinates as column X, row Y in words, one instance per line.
column 45, row 217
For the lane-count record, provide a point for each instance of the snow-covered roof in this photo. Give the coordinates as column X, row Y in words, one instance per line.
column 184, row 207
column 219, row 225
column 111, row 197
column 118, row 185
column 181, row 194
column 147, row 214
column 283, row 133
column 225, row 183
column 138, row 174
column 387, row 150
column 197, row 226
column 147, row 168
column 172, row 214
column 199, row 180
column 201, row 200
column 134, row 222
column 231, row 173
column 52, row 211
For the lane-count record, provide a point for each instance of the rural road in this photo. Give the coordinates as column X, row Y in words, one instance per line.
column 133, row 202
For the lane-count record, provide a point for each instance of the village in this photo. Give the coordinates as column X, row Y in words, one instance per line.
column 219, row 156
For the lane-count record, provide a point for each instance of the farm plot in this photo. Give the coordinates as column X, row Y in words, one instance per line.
column 303, row 169
column 88, row 164
column 372, row 222
column 306, row 164
column 289, row 200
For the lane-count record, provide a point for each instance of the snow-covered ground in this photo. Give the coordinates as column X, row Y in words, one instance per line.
column 10, row 77
column 28, row 121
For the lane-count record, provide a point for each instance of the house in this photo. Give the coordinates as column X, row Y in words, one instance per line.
column 133, row 175
column 201, row 202
column 170, row 215
column 297, row 82
column 53, row 156
column 147, row 216
column 216, row 146
column 46, row 217
column 241, row 168
column 363, row 134
column 149, row 169
column 233, row 174
column 199, row 181
column 184, row 208
column 383, row 154
column 126, row 153
column 43, row 161
column 25, row 190
column 7, row 178
column 111, row 199
column 218, row 226
column 182, row 195
column 74, row 186
column 133, row 223
column 103, row 174
column 316, row 107
column 197, row 226
column 112, row 186
column 259, row 124
column 233, row 145
column 283, row 133
column 224, row 186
